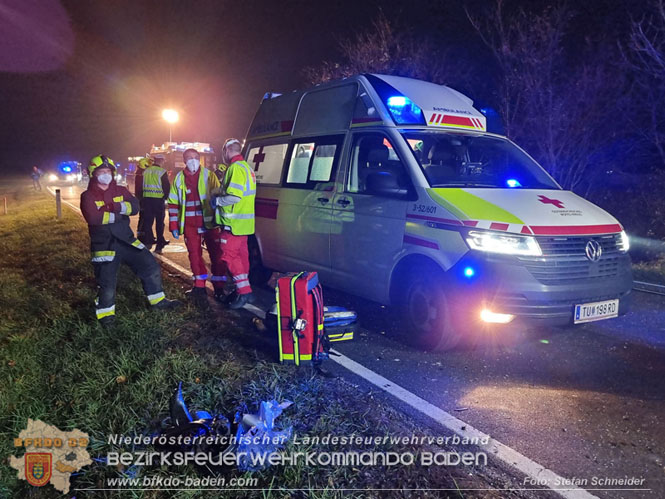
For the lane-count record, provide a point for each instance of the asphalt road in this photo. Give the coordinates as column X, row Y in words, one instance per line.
column 585, row 402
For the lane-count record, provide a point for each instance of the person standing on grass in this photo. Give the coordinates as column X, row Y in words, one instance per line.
column 234, row 212
column 191, row 215
column 36, row 174
column 107, row 207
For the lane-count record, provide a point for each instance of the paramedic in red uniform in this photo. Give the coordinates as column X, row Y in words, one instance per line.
column 107, row 207
column 234, row 212
column 191, row 215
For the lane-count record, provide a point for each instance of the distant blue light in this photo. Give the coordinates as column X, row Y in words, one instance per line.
column 397, row 101
column 469, row 272
column 67, row 169
column 511, row 182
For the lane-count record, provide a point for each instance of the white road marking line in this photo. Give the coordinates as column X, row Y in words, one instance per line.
column 494, row 448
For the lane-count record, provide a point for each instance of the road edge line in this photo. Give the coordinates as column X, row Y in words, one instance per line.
column 495, row 448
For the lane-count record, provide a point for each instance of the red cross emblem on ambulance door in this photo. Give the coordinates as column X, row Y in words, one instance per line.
column 258, row 158
column 546, row 200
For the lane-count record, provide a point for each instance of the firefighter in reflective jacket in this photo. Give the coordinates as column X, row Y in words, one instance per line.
column 153, row 192
column 138, row 192
column 107, row 207
column 190, row 214
column 234, row 212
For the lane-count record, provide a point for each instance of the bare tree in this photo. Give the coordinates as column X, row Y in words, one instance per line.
column 645, row 57
column 386, row 50
column 559, row 105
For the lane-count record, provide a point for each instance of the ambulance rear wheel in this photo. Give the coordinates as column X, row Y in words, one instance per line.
column 427, row 313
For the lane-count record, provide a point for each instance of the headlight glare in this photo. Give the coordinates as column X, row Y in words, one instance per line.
column 507, row 244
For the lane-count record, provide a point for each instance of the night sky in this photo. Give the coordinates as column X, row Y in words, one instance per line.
column 79, row 78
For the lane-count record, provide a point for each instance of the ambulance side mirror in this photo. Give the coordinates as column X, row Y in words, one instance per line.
column 384, row 184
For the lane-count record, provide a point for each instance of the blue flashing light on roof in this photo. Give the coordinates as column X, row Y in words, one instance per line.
column 511, row 182
column 469, row 272
column 404, row 111
column 397, row 101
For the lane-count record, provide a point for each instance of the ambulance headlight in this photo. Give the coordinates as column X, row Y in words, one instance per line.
column 624, row 244
column 53, row 177
column 507, row 244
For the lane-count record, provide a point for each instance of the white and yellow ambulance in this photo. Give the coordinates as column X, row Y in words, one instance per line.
column 393, row 190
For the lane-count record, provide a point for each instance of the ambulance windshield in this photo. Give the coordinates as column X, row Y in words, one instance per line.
column 470, row 160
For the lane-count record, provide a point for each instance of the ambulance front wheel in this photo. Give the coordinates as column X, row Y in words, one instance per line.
column 427, row 313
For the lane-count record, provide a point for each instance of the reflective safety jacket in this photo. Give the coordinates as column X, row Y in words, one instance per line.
column 155, row 183
column 239, row 181
column 107, row 213
column 177, row 200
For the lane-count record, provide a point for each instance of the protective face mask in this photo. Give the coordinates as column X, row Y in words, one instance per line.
column 105, row 178
column 193, row 165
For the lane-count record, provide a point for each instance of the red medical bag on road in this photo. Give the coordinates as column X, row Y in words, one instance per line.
column 300, row 319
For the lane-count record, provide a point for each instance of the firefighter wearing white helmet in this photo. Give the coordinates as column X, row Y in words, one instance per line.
column 234, row 212
column 107, row 207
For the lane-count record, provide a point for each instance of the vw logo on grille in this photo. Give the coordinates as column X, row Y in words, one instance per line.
column 593, row 250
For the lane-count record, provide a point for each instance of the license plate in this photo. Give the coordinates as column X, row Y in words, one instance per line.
column 596, row 311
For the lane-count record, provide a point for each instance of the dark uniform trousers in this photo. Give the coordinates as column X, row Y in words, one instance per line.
column 153, row 212
column 142, row 263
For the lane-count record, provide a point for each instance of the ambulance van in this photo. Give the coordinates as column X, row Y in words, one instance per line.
column 393, row 190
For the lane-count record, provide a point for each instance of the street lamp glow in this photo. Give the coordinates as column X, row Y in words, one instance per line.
column 170, row 115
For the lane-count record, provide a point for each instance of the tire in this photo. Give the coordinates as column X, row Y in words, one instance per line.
column 258, row 274
column 427, row 313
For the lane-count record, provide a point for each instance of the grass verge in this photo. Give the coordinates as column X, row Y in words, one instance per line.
column 58, row 365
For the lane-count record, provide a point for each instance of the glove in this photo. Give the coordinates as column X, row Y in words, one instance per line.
column 107, row 207
column 176, row 233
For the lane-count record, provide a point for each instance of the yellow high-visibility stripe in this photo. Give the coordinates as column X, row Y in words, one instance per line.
column 106, row 218
column 105, row 312
column 118, row 199
column 294, row 333
column 467, row 206
column 279, row 326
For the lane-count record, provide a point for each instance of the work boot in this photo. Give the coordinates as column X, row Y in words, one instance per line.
column 198, row 296
column 241, row 301
column 160, row 246
column 166, row 304
column 107, row 322
column 223, row 297
column 195, row 292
